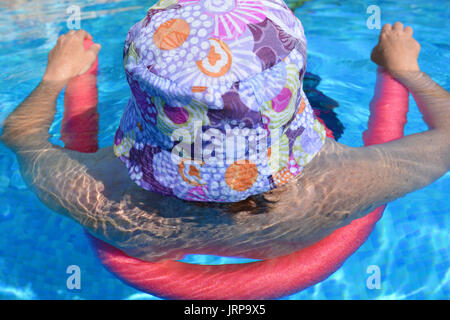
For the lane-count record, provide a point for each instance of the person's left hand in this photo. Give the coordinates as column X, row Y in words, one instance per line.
column 69, row 58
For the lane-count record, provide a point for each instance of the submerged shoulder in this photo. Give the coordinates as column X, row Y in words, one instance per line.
column 337, row 157
column 68, row 180
column 106, row 169
column 333, row 187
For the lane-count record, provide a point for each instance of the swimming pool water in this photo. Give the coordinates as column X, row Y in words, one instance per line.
column 410, row 244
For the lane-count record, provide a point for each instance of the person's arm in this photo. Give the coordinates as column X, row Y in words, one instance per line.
column 432, row 100
column 26, row 128
column 397, row 51
column 367, row 177
column 416, row 161
column 25, row 131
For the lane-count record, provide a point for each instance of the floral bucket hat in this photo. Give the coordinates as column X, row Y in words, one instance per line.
column 217, row 110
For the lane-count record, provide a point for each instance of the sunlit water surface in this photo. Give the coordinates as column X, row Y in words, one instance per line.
column 410, row 244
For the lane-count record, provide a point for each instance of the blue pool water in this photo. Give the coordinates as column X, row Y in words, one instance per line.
column 410, row 244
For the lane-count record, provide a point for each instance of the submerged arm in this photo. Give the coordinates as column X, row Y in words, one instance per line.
column 354, row 181
column 56, row 175
column 381, row 173
column 433, row 100
column 25, row 131
column 26, row 128
column 418, row 160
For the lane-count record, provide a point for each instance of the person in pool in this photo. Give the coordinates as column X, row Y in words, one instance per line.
column 337, row 185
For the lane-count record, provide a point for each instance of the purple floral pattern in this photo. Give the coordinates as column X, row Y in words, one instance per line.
column 200, row 70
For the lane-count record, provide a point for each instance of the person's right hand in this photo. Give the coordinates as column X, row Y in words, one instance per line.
column 69, row 58
column 397, row 50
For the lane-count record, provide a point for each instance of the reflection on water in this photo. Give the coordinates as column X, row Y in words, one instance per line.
column 28, row 20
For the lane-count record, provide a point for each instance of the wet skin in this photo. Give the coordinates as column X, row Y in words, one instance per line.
column 339, row 185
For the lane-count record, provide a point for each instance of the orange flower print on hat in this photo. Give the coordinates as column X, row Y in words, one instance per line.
column 171, row 34
column 241, row 175
column 218, row 61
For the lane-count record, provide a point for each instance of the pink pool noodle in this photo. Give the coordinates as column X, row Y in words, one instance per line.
column 388, row 110
column 80, row 121
column 268, row 279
